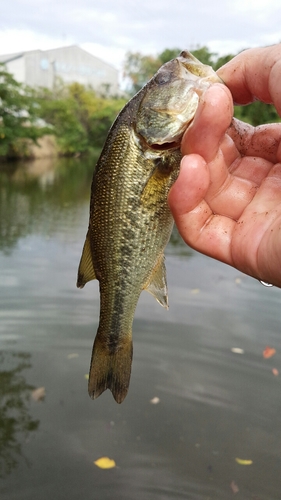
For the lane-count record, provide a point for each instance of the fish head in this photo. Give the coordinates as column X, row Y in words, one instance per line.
column 170, row 100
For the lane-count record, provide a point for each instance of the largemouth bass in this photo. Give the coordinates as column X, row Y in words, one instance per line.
column 130, row 221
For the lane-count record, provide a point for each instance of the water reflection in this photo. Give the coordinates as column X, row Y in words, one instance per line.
column 177, row 246
column 215, row 405
column 15, row 420
column 34, row 196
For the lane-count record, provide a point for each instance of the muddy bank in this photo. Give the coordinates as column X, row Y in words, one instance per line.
column 46, row 147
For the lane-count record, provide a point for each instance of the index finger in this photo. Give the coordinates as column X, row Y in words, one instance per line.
column 255, row 74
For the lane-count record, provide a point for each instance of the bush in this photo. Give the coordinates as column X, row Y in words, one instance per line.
column 80, row 118
column 19, row 115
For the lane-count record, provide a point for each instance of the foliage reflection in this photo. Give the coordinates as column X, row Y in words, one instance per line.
column 35, row 195
column 15, row 420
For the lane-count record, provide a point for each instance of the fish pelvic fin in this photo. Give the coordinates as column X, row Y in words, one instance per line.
column 86, row 269
column 157, row 284
column 111, row 368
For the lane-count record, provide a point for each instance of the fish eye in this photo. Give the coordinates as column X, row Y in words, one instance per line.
column 163, row 77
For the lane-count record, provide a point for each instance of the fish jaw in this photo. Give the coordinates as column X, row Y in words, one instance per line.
column 202, row 73
column 170, row 103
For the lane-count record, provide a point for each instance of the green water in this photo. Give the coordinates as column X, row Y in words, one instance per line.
column 214, row 405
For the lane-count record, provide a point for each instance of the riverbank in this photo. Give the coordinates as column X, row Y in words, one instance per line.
column 46, row 147
column 26, row 149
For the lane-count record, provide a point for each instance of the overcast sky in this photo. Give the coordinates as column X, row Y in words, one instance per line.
column 110, row 28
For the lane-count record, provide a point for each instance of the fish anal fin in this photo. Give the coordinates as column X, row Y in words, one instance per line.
column 157, row 284
column 86, row 269
column 111, row 368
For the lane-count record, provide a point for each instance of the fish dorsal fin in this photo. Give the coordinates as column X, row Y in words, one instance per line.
column 86, row 270
column 157, row 284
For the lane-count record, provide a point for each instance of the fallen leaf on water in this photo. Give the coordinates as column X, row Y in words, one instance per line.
column 237, row 350
column 105, row 463
column 194, row 291
column 269, row 352
column 86, row 376
column 275, row 372
column 237, row 281
column 241, row 461
column 155, row 401
column 72, row 355
column 234, row 487
column 38, row 394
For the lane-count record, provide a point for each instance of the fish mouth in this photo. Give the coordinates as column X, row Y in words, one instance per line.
column 165, row 146
column 174, row 143
column 147, row 146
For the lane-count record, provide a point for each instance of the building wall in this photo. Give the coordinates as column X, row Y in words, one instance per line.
column 39, row 68
column 17, row 68
column 75, row 64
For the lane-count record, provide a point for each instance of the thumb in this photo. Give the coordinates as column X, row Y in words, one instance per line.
column 212, row 119
column 190, row 187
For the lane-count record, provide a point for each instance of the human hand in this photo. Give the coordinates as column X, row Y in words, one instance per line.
column 226, row 201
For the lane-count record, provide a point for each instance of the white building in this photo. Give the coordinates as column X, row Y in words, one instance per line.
column 43, row 68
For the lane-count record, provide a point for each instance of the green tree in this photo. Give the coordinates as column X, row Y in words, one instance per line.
column 62, row 115
column 80, row 118
column 204, row 55
column 19, row 115
column 101, row 121
column 168, row 54
column 139, row 68
column 257, row 113
column 220, row 61
column 96, row 112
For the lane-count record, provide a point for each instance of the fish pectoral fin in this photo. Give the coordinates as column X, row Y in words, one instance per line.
column 157, row 284
column 86, row 269
column 158, row 179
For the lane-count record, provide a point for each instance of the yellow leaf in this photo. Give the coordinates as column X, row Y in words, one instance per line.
column 86, row 376
column 234, row 487
column 38, row 394
column 240, row 461
column 72, row 355
column 105, row 463
column 155, row 401
column 237, row 350
column 269, row 352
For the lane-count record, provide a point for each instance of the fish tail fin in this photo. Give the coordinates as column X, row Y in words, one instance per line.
column 111, row 368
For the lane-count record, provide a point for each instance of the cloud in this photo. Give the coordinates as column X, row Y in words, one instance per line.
column 117, row 26
column 14, row 40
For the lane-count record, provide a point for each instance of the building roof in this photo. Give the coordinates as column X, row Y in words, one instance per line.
column 10, row 57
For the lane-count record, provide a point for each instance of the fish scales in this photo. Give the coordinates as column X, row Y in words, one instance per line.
column 130, row 221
